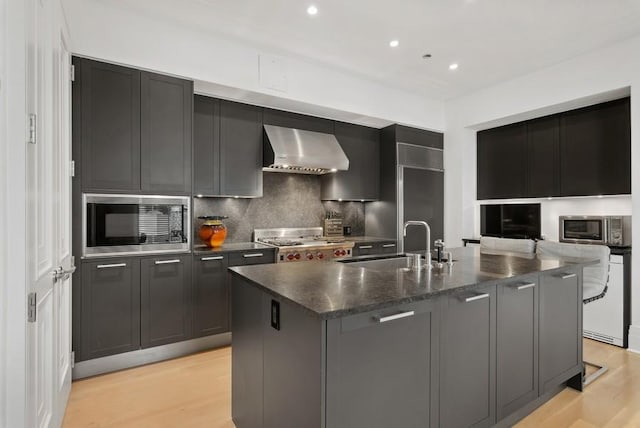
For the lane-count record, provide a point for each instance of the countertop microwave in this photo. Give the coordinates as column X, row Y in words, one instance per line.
column 604, row 230
column 134, row 224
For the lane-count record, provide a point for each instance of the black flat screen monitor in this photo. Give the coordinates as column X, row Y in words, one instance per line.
column 510, row 220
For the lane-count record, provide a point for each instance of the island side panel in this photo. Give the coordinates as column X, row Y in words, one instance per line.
column 384, row 373
column 293, row 367
column 560, row 327
column 246, row 354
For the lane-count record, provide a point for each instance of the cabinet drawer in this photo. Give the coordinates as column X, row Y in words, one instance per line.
column 254, row 257
column 387, row 247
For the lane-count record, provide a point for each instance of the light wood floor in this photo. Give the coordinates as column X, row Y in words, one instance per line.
column 195, row 391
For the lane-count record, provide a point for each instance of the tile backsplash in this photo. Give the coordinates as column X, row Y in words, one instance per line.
column 289, row 200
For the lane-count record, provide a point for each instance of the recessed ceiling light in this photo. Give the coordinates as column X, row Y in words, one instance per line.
column 426, row 56
column 394, row 43
column 312, row 10
column 453, row 66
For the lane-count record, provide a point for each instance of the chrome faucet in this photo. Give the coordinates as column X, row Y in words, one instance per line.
column 426, row 226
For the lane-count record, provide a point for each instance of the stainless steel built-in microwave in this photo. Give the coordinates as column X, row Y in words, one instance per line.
column 134, row 224
column 606, row 230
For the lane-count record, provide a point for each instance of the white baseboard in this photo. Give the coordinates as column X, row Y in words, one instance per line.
column 634, row 338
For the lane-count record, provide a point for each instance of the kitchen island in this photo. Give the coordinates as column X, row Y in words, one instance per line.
column 372, row 343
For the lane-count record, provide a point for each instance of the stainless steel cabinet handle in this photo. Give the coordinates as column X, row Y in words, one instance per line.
column 395, row 316
column 248, row 256
column 206, row 259
column 112, row 265
column 476, row 297
column 167, row 262
column 365, row 247
column 388, row 245
column 524, row 286
column 566, row 275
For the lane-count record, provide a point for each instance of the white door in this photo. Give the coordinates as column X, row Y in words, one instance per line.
column 48, row 216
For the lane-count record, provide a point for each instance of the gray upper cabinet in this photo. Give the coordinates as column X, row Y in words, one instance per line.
column 206, row 145
column 228, row 143
column 109, row 315
column 166, row 128
column 210, row 294
column 517, row 345
column 298, row 121
column 560, row 327
column 467, row 358
column 165, row 299
column 241, row 142
column 361, row 144
column 382, row 372
column 135, row 130
column 109, row 131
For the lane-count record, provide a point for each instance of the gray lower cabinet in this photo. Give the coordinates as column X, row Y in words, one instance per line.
column 165, row 299
column 110, row 308
column 517, row 345
column 467, row 359
column 254, row 257
column 382, row 368
column 210, row 294
column 374, row 247
column 166, row 127
column 560, row 327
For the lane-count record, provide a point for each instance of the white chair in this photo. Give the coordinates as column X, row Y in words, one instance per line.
column 507, row 244
column 594, row 279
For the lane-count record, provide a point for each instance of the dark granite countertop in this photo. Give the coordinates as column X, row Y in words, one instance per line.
column 231, row 247
column 332, row 289
column 367, row 239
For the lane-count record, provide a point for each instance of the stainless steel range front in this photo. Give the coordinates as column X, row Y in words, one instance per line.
column 303, row 244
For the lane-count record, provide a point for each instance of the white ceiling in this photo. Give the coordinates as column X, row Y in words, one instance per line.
column 491, row 40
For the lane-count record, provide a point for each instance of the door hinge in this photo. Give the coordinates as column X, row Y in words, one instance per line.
column 32, row 128
column 72, row 73
column 73, row 359
column 72, row 168
column 32, row 302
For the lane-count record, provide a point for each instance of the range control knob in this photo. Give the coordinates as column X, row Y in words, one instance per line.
column 290, row 256
column 297, row 256
column 309, row 256
column 336, row 253
column 320, row 256
column 343, row 253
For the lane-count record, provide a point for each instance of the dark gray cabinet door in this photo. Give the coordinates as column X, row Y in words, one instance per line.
column 165, row 299
column 240, row 149
column 595, row 147
column 206, row 146
column 361, row 144
column 502, row 162
column 210, row 295
column 517, row 345
column 560, row 327
column 382, row 368
column 110, row 126
column 467, row 359
column 374, row 247
column 543, row 157
column 166, row 130
column 423, row 199
column 110, row 309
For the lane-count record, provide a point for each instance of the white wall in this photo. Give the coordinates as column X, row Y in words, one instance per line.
column 230, row 69
column 590, row 78
column 12, row 168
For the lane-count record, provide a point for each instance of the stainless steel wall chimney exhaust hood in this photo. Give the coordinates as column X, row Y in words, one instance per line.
column 302, row 152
